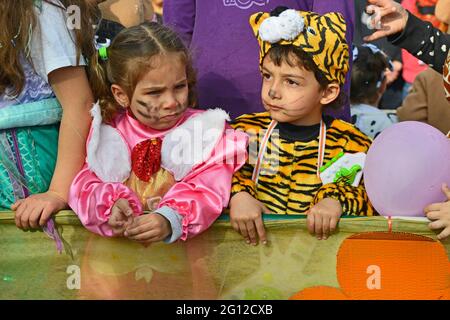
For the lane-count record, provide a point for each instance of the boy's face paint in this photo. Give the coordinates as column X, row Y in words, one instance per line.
column 161, row 96
column 291, row 94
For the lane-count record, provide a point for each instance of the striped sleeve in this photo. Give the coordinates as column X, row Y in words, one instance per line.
column 252, row 124
column 242, row 181
column 354, row 200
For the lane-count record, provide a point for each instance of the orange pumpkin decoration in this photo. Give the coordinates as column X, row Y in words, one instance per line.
column 388, row 265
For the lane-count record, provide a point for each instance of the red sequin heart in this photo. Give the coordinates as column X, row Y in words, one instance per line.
column 146, row 158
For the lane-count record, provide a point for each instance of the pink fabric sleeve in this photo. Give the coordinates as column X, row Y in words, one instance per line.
column 92, row 200
column 203, row 194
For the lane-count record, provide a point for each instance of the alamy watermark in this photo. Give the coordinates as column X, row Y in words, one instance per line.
column 373, row 282
column 73, row 17
column 198, row 144
column 372, row 17
column 73, row 281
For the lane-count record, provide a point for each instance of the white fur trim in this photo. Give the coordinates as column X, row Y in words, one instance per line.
column 287, row 26
column 107, row 153
column 193, row 142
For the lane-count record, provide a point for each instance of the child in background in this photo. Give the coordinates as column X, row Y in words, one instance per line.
column 304, row 60
column 44, row 105
column 367, row 87
column 152, row 151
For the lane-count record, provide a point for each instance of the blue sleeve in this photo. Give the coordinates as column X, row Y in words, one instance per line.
column 175, row 220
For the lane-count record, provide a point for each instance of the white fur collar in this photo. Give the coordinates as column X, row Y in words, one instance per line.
column 193, row 142
column 188, row 145
column 108, row 155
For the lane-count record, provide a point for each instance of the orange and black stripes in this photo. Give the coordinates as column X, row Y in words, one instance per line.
column 288, row 183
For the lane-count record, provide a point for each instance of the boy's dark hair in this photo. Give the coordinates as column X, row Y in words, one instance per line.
column 367, row 75
column 284, row 53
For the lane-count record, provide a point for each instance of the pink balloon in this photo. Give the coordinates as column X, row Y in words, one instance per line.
column 405, row 168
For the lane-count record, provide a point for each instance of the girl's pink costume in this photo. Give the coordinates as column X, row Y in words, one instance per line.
column 183, row 173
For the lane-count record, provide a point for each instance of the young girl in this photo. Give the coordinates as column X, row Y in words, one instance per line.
column 303, row 59
column 153, row 152
column 367, row 87
column 42, row 70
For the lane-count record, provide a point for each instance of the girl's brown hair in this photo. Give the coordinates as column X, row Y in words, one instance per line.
column 129, row 58
column 17, row 18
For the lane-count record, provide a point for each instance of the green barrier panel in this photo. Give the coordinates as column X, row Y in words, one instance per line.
column 217, row 264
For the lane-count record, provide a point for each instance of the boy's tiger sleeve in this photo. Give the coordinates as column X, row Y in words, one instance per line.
column 242, row 179
column 354, row 200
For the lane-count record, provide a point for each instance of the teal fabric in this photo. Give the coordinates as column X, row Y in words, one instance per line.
column 39, row 113
column 35, row 148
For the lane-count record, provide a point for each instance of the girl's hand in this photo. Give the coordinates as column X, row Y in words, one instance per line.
column 148, row 228
column 246, row 217
column 34, row 212
column 440, row 213
column 121, row 217
column 323, row 217
column 389, row 17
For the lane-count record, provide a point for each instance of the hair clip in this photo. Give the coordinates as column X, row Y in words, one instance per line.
column 103, row 53
column 374, row 49
column 355, row 52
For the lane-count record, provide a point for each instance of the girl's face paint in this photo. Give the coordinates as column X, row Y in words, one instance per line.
column 161, row 96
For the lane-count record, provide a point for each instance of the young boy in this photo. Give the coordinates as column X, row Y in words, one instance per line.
column 304, row 59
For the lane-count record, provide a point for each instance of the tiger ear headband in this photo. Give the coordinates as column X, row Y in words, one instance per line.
column 320, row 36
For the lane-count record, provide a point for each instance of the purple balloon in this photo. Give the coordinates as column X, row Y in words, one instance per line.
column 405, row 168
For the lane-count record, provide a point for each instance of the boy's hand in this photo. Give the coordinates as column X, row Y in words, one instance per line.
column 121, row 217
column 246, row 217
column 323, row 217
column 440, row 213
column 148, row 228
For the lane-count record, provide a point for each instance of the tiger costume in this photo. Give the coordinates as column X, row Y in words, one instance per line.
column 292, row 186
column 282, row 170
